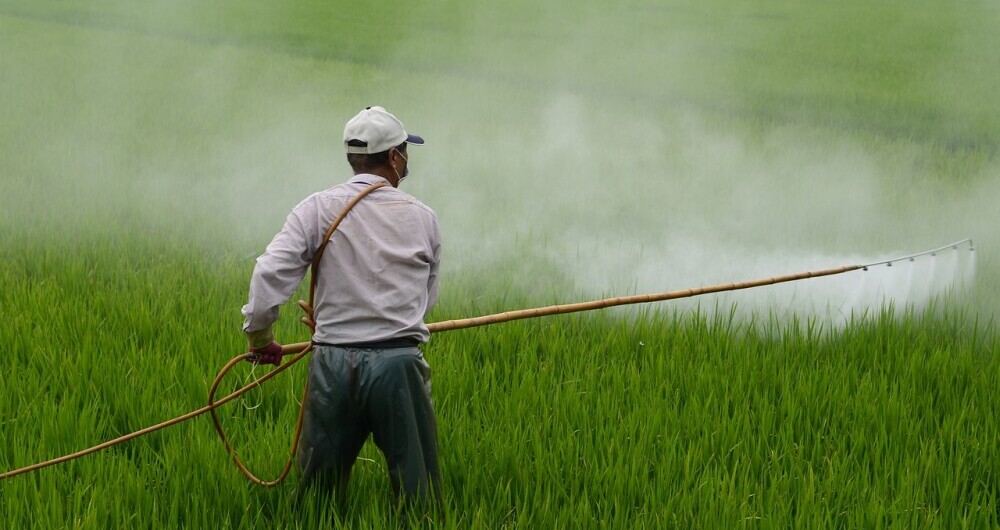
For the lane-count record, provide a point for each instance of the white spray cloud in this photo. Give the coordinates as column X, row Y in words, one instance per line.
column 587, row 160
column 619, row 216
column 647, row 193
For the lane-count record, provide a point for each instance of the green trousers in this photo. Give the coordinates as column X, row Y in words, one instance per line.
column 383, row 392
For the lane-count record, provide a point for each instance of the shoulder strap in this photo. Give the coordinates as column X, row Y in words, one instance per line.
column 314, row 276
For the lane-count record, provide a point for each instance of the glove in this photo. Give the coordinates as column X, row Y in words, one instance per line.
column 270, row 354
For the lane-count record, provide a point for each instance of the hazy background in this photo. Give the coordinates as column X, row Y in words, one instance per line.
column 574, row 150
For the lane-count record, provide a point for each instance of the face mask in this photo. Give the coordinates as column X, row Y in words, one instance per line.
column 406, row 172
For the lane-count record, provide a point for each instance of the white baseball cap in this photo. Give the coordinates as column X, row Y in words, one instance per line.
column 377, row 130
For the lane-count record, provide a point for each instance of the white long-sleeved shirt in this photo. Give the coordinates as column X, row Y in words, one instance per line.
column 378, row 277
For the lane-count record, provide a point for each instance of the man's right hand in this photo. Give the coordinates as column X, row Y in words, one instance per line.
column 270, row 354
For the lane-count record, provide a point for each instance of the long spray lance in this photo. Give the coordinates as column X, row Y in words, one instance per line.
column 560, row 309
column 300, row 350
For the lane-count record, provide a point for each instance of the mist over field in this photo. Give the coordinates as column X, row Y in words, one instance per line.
column 644, row 150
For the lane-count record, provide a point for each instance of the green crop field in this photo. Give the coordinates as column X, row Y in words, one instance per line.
column 576, row 150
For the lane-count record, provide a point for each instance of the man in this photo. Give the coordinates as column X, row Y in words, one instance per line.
column 377, row 280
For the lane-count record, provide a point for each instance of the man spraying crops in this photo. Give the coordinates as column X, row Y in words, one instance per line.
column 375, row 285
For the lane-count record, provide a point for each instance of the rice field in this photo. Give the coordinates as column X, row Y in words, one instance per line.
column 150, row 150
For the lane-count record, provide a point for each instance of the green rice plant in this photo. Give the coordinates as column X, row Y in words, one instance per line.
column 579, row 420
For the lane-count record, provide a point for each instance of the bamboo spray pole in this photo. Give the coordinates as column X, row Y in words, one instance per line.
column 497, row 318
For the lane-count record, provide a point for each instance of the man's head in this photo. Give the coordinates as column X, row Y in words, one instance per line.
column 375, row 142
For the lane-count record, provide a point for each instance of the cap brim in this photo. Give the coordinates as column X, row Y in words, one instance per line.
column 414, row 139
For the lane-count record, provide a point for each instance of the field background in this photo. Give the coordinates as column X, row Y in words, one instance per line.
column 149, row 150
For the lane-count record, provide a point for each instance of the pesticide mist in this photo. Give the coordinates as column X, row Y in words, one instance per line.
column 625, row 174
column 607, row 159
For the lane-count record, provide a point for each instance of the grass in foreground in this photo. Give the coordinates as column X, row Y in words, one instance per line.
column 576, row 421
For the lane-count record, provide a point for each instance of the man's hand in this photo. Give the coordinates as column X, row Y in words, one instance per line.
column 270, row 354
column 310, row 318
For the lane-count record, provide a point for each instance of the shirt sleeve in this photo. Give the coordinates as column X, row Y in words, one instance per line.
column 432, row 278
column 277, row 274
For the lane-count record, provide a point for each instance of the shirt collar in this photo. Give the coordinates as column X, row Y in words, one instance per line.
column 368, row 178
